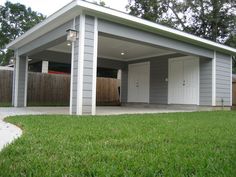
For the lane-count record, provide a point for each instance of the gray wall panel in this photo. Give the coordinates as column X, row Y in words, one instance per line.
column 74, row 72
column 158, row 84
column 124, row 84
column 21, row 82
column 88, row 65
column 223, row 79
column 205, row 81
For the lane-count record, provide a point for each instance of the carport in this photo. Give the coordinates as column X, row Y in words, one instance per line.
column 160, row 66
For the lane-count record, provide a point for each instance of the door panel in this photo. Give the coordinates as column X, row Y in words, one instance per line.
column 132, row 84
column 176, row 82
column 191, row 81
column 138, row 82
column 183, row 80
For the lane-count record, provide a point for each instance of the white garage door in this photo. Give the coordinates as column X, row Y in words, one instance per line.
column 138, row 82
column 183, row 87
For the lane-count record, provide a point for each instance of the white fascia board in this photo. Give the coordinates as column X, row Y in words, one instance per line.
column 144, row 24
column 58, row 18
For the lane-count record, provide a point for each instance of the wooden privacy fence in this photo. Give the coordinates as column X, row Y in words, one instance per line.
column 107, row 91
column 48, row 89
column 54, row 90
column 5, row 86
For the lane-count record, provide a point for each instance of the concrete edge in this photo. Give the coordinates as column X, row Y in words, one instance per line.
column 8, row 132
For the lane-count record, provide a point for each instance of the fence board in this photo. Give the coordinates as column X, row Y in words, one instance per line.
column 54, row 89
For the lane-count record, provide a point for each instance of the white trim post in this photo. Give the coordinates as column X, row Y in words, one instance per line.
column 72, row 71
column 26, row 80
column 94, row 87
column 71, row 76
column 80, row 65
column 214, row 79
column 16, row 82
column 21, row 81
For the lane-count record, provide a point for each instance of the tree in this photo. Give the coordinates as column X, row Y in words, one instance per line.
column 15, row 19
column 210, row 19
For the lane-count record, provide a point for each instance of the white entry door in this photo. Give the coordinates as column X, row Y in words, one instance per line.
column 138, row 82
column 183, row 87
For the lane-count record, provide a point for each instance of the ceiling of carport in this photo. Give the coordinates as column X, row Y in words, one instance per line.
column 120, row 49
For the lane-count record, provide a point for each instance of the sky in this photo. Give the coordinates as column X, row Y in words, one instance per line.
column 48, row 7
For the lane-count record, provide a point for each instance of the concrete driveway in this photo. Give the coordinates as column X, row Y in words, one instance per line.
column 101, row 110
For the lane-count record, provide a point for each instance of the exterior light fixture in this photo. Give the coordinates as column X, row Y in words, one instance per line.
column 68, row 44
column 122, row 53
column 72, row 35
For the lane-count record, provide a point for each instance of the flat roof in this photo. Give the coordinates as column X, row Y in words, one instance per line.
column 76, row 7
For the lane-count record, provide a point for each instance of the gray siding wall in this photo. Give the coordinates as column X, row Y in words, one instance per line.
column 74, row 72
column 88, row 65
column 124, row 84
column 158, row 84
column 87, row 74
column 205, row 82
column 21, row 82
column 223, row 79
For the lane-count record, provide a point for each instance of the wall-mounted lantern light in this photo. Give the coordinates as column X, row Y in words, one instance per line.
column 72, row 35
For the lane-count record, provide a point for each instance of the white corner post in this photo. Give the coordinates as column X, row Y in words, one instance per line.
column 95, row 56
column 20, row 81
column 214, row 79
column 45, row 66
column 84, row 66
column 72, row 84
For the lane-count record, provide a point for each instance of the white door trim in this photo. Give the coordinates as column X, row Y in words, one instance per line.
column 16, row 83
column 198, row 74
column 26, row 80
column 148, row 81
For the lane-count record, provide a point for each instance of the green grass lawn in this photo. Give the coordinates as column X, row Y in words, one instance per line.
column 178, row 144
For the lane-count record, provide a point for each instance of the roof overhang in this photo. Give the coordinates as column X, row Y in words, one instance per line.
column 76, row 7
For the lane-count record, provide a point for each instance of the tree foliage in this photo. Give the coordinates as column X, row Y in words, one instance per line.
column 210, row 19
column 15, row 19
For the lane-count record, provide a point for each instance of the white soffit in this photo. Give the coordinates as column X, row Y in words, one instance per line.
column 119, row 49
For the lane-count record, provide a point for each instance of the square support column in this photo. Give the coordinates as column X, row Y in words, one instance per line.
column 84, row 66
column 20, row 81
